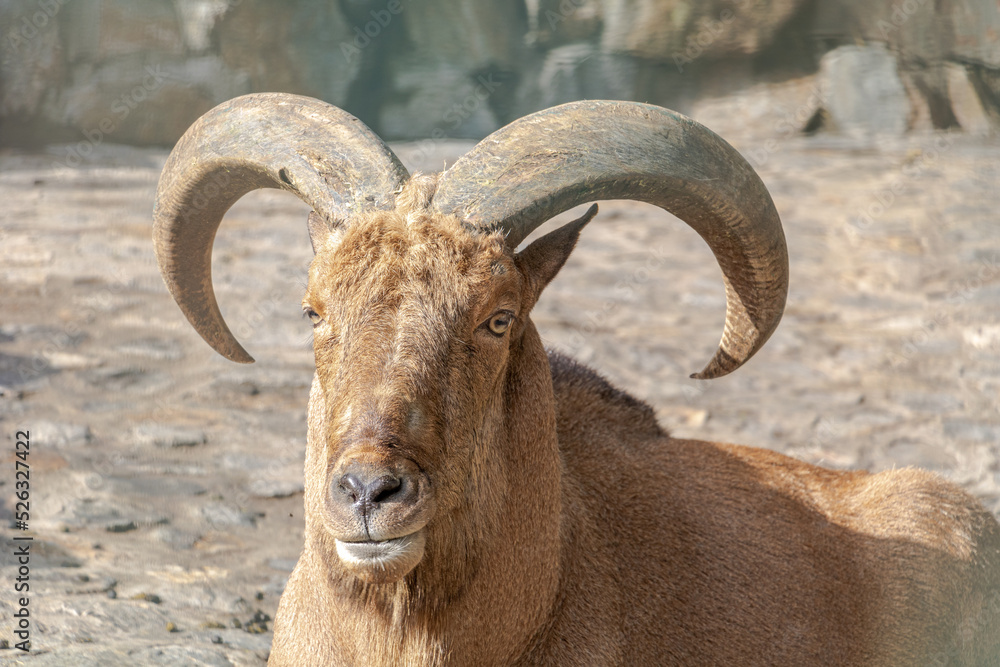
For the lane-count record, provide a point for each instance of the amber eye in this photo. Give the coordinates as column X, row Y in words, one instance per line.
column 313, row 316
column 500, row 322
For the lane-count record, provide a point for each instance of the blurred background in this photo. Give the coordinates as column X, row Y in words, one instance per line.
column 166, row 481
column 140, row 71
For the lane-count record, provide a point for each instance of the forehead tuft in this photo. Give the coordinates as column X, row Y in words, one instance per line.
column 389, row 253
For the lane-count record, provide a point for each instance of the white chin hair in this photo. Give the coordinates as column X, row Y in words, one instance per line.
column 383, row 560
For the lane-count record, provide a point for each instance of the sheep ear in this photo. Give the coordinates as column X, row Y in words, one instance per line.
column 541, row 261
column 322, row 233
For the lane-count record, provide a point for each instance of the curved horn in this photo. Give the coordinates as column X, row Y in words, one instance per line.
column 324, row 155
column 545, row 163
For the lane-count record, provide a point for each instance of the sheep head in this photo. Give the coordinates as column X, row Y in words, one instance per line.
column 415, row 317
column 420, row 303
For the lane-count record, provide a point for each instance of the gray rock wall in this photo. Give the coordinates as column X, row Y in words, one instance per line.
column 140, row 71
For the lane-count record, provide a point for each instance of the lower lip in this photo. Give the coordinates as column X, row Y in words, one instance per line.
column 375, row 552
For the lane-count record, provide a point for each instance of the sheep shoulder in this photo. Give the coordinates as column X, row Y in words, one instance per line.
column 683, row 551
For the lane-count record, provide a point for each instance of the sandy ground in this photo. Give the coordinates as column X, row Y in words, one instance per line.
column 166, row 503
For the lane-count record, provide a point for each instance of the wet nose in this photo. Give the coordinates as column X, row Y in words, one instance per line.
column 367, row 491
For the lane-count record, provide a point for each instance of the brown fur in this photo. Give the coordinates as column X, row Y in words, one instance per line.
column 563, row 525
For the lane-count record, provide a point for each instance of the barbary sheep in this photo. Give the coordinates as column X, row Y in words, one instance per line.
column 473, row 500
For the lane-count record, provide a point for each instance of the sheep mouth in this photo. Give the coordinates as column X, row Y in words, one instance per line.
column 380, row 561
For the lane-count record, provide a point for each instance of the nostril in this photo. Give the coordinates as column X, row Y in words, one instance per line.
column 368, row 492
column 383, row 488
column 351, row 486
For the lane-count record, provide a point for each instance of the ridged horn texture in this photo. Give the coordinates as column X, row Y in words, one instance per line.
column 324, row 155
column 538, row 166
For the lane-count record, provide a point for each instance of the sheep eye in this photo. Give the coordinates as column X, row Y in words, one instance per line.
column 500, row 322
column 313, row 316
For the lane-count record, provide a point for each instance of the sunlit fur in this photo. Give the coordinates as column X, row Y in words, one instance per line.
column 563, row 525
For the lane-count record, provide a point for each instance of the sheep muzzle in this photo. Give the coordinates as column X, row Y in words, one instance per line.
column 377, row 507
